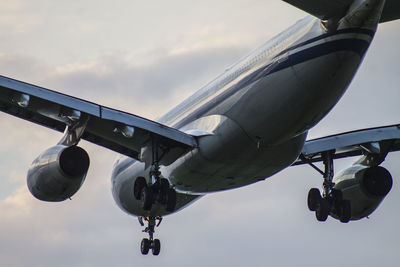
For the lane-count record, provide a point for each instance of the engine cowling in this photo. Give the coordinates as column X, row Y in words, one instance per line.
column 58, row 173
column 365, row 187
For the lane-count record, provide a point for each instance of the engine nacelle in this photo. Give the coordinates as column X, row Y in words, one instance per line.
column 58, row 173
column 365, row 187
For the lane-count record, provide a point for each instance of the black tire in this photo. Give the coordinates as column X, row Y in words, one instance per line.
column 146, row 198
column 322, row 211
column 171, row 200
column 337, row 195
column 156, row 247
column 313, row 199
column 140, row 182
column 345, row 211
column 164, row 186
column 145, row 246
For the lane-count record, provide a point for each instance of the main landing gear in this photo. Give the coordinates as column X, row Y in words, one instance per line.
column 331, row 201
column 150, row 243
column 157, row 189
column 160, row 192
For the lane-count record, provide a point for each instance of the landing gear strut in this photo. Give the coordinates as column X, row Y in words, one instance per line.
column 157, row 189
column 150, row 243
column 331, row 201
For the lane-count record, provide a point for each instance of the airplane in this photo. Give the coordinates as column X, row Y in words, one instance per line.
column 246, row 125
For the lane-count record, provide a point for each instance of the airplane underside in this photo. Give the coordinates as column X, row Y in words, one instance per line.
column 246, row 125
column 257, row 129
column 237, row 155
column 249, row 151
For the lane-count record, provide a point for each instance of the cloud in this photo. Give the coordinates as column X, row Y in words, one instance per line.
column 115, row 80
column 46, row 232
column 263, row 224
column 14, row 19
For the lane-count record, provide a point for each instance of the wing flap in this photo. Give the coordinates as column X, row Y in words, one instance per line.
column 57, row 111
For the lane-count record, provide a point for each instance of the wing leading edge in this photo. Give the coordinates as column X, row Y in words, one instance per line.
column 116, row 130
column 354, row 143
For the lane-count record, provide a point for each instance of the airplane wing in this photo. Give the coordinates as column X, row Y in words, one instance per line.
column 116, row 130
column 326, row 9
column 379, row 140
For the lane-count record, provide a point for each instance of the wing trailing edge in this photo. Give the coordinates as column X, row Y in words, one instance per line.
column 326, row 9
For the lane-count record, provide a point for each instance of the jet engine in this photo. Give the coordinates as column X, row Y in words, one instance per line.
column 365, row 187
column 58, row 173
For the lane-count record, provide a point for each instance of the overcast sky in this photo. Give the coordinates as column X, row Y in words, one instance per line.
column 145, row 57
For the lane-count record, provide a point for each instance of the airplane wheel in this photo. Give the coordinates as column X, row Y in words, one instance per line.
column 145, row 246
column 313, row 199
column 171, row 200
column 322, row 212
column 337, row 195
column 147, row 198
column 156, row 247
column 140, row 182
column 345, row 211
column 163, row 191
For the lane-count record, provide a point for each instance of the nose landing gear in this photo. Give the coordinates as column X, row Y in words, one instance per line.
column 150, row 243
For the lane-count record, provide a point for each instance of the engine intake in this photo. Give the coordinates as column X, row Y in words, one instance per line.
column 377, row 181
column 58, row 173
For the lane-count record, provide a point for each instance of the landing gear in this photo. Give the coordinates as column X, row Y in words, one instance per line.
column 314, row 199
column 331, row 201
column 145, row 246
column 160, row 192
column 344, row 211
column 146, row 196
column 150, row 243
column 156, row 247
column 157, row 189
column 322, row 211
column 171, row 200
column 140, row 183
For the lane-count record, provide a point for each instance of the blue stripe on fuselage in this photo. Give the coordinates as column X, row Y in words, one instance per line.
column 355, row 45
column 326, row 35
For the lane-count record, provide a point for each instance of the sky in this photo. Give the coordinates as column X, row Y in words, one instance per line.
column 144, row 58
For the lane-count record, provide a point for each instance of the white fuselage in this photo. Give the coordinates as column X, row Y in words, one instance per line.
column 252, row 121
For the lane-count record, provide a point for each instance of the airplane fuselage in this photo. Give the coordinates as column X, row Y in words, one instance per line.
column 252, row 121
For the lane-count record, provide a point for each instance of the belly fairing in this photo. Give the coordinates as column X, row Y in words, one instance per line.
column 229, row 158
